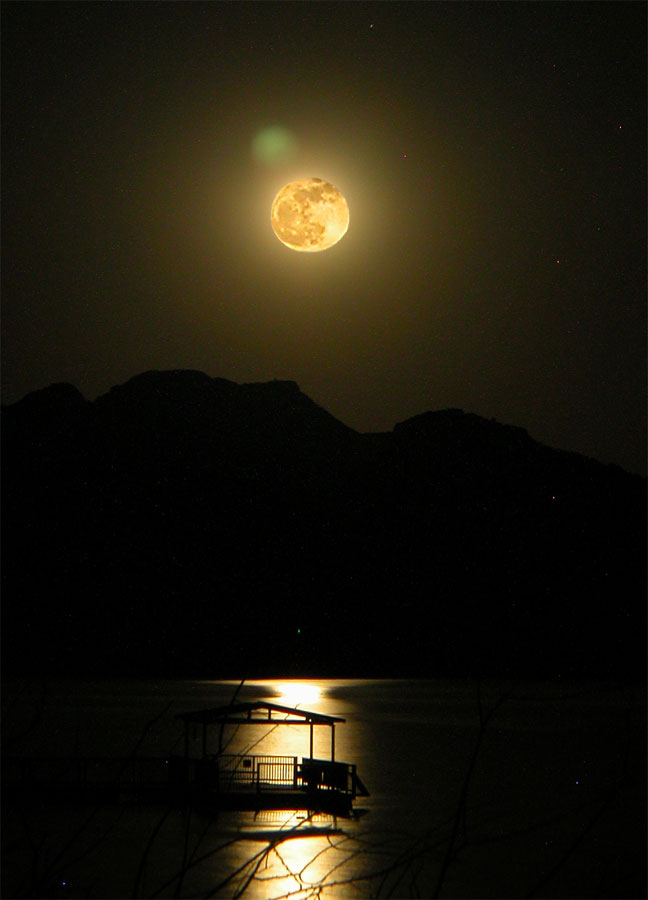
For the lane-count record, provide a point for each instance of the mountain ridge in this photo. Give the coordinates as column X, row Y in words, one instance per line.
column 66, row 394
column 176, row 500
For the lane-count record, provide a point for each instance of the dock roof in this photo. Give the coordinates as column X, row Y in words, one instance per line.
column 244, row 714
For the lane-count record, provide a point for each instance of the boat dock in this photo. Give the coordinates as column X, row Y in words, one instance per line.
column 234, row 780
column 228, row 781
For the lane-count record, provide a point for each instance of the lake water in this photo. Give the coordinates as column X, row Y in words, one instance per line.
column 483, row 789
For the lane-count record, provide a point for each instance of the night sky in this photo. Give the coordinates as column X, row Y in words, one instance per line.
column 493, row 157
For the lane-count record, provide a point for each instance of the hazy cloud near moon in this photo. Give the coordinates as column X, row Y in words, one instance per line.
column 274, row 146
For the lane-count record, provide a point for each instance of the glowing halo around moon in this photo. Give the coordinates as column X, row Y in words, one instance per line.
column 309, row 215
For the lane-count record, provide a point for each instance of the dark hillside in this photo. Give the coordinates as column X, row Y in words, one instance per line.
column 182, row 524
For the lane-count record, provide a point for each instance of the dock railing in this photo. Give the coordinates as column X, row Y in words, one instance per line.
column 259, row 772
column 223, row 774
column 228, row 773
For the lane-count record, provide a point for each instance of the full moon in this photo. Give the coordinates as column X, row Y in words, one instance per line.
column 309, row 215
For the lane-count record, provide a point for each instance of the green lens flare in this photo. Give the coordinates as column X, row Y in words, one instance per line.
column 274, row 146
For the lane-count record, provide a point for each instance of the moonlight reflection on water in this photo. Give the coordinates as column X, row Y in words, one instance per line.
column 298, row 693
column 533, row 790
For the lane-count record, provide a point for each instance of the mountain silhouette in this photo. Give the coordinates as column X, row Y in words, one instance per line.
column 187, row 525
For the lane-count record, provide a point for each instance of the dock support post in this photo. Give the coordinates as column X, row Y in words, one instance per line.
column 311, row 740
column 332, row 743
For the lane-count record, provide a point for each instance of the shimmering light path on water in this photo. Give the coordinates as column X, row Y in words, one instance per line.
column 477, row 789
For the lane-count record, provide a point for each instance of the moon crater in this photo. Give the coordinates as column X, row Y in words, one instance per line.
column 309, row 215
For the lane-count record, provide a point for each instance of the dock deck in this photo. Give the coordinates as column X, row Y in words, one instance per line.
column 240, row 781
column 229, row 782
